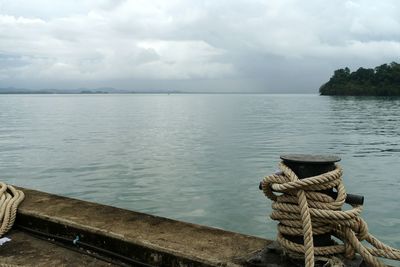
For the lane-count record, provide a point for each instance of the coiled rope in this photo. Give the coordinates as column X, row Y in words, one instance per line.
column 10, row 198
column 303, row 211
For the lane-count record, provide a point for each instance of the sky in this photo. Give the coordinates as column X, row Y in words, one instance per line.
column 271, row 46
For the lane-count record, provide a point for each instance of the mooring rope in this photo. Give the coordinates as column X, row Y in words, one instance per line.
column 10, row 198
column 302, row 211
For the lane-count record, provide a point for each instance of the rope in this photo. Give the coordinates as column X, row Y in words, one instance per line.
column 302, row 211
column 10, row 198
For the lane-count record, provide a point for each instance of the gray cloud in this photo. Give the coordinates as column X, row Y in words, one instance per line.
column 271, row 46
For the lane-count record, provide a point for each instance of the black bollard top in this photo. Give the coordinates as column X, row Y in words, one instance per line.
column 310, row 159
column 309, row 165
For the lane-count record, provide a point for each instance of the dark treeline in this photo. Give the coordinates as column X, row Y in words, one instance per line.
column 383, row 80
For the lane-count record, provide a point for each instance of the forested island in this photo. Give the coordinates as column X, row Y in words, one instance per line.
column 383, row 80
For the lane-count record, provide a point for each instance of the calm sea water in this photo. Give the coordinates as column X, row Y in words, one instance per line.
column 199, row 158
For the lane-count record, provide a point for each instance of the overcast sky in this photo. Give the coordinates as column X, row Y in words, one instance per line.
column 193, row 45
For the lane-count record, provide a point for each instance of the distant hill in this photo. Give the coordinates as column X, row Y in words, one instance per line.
column 101, row 90
column 13, row 90
column 383, row 80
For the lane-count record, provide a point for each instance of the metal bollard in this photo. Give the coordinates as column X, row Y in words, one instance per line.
column 305, row 166
column 310, row 165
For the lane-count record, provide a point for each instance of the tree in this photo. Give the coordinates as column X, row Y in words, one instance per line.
column 382, row 80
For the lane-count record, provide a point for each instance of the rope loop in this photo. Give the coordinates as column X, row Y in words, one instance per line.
column 303, row 210
column 10, row 198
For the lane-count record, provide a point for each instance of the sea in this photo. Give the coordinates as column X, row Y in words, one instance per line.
column 200, row 157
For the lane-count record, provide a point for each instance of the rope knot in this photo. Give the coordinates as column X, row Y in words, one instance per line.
column 360, row 228
column 303, row 209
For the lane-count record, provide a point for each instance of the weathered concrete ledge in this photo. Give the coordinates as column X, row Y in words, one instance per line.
column 27, row 250
column 149, row 239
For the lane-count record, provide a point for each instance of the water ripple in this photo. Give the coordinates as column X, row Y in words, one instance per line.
column 199, row 158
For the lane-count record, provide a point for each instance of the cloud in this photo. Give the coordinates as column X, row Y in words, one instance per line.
column 78, row 43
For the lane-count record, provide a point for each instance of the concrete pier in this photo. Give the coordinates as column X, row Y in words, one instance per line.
column 145, row 239
column 27, row 250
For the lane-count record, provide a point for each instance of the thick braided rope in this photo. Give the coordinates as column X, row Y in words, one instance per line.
column 10, row 198
column 301, row 210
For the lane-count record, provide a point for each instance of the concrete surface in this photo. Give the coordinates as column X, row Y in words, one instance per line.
column 27, row 250
column 151, row 239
